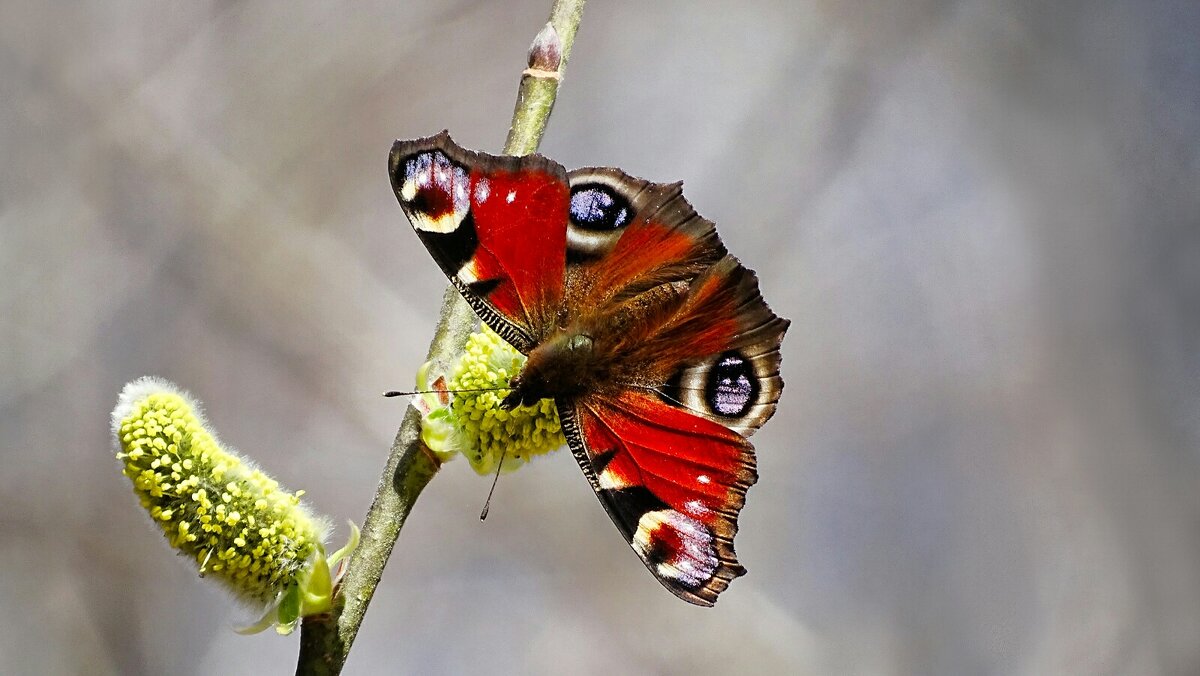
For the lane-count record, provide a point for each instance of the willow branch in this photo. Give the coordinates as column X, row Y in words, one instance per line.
column 325, row 641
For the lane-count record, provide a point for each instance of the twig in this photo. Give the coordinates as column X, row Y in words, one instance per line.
column 325, row 641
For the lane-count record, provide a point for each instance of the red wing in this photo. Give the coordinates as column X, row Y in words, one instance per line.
column 672, row 482
column 496, row 225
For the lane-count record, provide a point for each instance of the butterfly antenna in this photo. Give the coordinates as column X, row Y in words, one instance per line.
column 487, row 504
column 399, row 393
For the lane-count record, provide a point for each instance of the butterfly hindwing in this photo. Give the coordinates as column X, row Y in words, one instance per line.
column 672, row 482
column 496, row 225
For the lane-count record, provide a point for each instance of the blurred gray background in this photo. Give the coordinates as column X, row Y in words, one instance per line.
column 983, row 219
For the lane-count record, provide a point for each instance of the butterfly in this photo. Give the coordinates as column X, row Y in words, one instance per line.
column 654, row 343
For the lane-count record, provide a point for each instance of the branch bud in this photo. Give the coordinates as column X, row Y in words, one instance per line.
column 545, row 54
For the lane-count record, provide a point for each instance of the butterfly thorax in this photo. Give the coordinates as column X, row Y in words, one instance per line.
column 563, row 366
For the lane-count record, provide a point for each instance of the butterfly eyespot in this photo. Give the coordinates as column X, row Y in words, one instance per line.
column 732, row 387
column 436, row 191
column 599, row 214
column 598, row 207
column 677, row 545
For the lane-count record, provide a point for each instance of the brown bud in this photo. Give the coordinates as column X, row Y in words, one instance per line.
column 545, row 54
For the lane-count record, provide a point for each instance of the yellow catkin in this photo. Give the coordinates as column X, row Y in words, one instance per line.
column 475, row 425
column 235, row 522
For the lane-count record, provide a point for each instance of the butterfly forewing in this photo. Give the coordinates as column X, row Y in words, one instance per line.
column 495, row 225
column 626, row 236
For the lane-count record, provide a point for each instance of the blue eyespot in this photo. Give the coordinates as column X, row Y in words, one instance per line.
column 732, row 386
column 598, row 207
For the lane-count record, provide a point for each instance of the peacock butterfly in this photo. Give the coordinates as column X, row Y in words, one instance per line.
column 653, row 342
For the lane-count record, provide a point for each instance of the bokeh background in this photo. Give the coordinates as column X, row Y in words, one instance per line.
column 983, row 218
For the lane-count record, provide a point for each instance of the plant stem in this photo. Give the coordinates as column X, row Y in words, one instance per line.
column 325, row 640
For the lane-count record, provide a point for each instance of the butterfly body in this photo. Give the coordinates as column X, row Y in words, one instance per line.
column 564, row 365
column 653, row 342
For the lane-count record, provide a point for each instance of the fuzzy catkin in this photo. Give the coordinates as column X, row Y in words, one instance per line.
column 215, row 507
